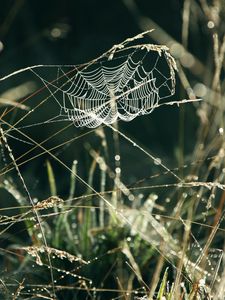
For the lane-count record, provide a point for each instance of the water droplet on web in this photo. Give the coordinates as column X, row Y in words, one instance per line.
column 157, row 161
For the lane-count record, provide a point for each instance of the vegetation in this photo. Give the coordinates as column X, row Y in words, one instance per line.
column 132, row 210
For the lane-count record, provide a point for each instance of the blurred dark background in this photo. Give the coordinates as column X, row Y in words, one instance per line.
column 65, row 32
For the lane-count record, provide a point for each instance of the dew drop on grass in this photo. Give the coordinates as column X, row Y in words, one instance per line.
column 35, row 200
column 210, row 24
column 157, row 161
column 117, row 157
column 220, row 131
column 118, row 170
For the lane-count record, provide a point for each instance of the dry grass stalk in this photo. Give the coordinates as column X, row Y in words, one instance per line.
column 49, row 203
column 35, row 251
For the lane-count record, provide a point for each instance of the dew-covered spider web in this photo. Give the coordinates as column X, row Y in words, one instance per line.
column 129, row 84
column 125, row 82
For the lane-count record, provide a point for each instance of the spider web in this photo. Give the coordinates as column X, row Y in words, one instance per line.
column 127, row 81
column 122, row 88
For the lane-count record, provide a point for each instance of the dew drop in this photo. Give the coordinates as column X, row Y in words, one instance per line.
column 117, row 157
column 210, row 24
column 157, row 161
column 118, row 170
column 131, row 197
column 168, row 200
column 220, row 131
